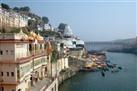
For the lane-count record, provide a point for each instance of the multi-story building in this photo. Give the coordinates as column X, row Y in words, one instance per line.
column 9, row 18
column 24, row 63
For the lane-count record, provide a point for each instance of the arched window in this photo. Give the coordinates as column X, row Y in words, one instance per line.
column 19, row 89
column 30, row 47
column 1, row 88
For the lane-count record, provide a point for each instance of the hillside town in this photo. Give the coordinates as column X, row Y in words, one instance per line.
column 37, row 56
column 34, row 56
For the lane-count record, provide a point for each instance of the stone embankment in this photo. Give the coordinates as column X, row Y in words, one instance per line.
column 74, row 67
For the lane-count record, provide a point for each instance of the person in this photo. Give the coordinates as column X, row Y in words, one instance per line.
column 31, row 80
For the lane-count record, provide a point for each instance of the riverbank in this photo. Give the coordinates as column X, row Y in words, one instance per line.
column 97, row 61
column 66, row 74
column 74, row 67
column 125, row 80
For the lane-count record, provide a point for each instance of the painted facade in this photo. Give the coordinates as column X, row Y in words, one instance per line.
column 23, row 63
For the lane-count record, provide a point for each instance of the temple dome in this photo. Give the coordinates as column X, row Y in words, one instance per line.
column 68, row 31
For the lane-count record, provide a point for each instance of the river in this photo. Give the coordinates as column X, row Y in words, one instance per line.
column 125, row 80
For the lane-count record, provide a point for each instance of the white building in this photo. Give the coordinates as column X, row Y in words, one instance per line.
column 9, row 18
column 68, row 31
column 80, row 43
column 48, row 27
column 70, row 40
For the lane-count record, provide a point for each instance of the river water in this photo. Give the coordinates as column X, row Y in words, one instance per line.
column 125, row 80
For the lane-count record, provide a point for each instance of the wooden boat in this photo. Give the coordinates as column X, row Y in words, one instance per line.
column 88, row 69
column 115, row 70
column 102, row 73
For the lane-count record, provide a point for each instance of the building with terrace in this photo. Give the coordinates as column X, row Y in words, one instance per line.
column 24, row 63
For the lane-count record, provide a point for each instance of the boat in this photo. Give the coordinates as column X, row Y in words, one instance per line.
column 102, row 73
column 115, row 70
column 120, row 68
column 88, row 69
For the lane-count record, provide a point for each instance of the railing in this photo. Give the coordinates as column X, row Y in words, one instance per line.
column 32, row 55
column 34, row 52
column 50, row 86
column 9, row 83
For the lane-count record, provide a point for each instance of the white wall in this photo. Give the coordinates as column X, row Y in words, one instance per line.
column 21, row 50
column 7, row 54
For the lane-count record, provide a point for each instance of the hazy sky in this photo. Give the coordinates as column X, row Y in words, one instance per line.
column 91, row 20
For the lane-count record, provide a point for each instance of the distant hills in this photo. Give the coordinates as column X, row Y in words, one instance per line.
column 129, row 46
column 120, row 45
column 126, row 41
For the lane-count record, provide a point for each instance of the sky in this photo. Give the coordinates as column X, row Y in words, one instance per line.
column 91, row 20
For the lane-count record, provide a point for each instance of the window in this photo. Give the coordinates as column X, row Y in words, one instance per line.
column 30, row 47
column 1, row 73
column 1, row 52
column 19, row 89
column 12, row 73
column 12, row 52
column 7, row 52
column 7, row 73
column 40, row 46
column 1, row 88
column 47, row 57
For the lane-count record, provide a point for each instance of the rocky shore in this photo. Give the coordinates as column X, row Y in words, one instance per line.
column 93, row 63
column 77, row 64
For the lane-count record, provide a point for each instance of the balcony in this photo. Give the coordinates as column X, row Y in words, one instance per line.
column 31, row 55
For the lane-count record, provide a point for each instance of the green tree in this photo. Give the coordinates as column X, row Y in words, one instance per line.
column 45, row 19
column 32, row 24
column 5, row 6
column 50, row 33
column 61, row 26
column 27, row 9
column 16, row 9
column 54, row 56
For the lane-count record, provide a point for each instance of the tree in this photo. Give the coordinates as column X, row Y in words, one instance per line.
column 61, row 26
column 32, row 24
column 16, row 9
column 50, row 33
column 54, row 56
column 45, row 19
column 5, row 6
column 27, row 9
